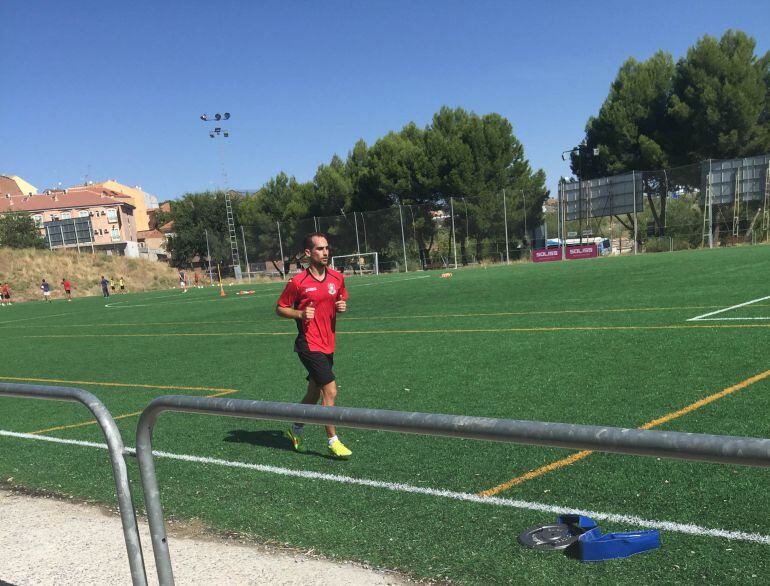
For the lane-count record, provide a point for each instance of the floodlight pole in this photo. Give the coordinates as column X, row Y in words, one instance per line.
column 505, row 224
column 218, row 132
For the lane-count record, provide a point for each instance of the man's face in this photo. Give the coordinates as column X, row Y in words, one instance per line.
column 319, row 254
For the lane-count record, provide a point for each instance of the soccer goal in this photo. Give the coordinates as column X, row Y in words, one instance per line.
column 364, row 263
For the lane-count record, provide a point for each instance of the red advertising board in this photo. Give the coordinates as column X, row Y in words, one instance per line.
column 582, row 251
column 546, row 254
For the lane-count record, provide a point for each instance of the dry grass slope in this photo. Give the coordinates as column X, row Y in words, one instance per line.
column 24, row 269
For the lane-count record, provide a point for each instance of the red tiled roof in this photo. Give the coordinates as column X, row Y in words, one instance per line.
column 58, row 200
column 99, row 191
column 8, row 185
column 144, row 234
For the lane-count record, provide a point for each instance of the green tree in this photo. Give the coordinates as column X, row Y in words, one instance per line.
column 630, row 129
column 718, row 108
column 281, row 200
column 17, row 230
column 195, row 214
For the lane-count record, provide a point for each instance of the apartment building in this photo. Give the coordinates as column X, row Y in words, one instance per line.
column 99, row 219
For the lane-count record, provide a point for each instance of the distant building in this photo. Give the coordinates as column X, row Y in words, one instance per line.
column 142, row 201
column 152, row 245
column 14, row 185
column 108, row 220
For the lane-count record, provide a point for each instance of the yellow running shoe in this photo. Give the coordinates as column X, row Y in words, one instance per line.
column 339, row 450
column 296, row 440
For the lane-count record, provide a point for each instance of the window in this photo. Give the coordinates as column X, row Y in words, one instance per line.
column 38, row 219
column 83, row 214
column 112, row 216
column 54, row 217
column 115, row 233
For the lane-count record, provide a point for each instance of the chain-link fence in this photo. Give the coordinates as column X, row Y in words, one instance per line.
column 712, row 203
column 457, row 232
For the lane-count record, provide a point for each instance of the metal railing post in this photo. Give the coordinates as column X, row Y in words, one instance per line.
column 116, row 452
column 668, row 444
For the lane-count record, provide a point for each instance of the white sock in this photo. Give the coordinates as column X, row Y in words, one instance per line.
column 333, row 439
column 297, row 429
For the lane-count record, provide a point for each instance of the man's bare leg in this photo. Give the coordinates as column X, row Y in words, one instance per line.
column 328, row 394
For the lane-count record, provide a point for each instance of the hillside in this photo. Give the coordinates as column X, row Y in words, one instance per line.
column 24, row 269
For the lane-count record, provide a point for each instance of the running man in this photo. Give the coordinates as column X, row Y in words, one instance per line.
column 105, row 287
column 5, row 295
column 67, row 289
column 46, row 291
column 313, row 298
column 182, row 281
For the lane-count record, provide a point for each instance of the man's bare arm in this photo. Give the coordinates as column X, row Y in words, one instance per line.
column 291, row 313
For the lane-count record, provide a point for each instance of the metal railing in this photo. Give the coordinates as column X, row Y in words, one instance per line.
column 667, row 444
column 116, row 451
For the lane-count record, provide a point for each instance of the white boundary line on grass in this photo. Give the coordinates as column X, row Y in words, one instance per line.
column 686, row 528
column 708, row 315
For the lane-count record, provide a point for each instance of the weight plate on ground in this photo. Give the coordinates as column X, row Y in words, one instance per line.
column 548, row 537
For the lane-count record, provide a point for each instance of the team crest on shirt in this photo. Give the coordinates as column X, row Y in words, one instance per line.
column 332, row 289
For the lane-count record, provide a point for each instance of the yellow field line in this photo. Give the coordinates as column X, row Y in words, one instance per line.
column 398, row 317
column 116, row 418
column 425, row 331
column 110, row 384
column 218, row 392
column 542, row 470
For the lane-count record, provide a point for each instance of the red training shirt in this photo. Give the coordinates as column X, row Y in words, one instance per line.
column 317, row 334
column 66, row 285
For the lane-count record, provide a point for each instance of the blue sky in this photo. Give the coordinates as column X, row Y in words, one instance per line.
column 113, row 90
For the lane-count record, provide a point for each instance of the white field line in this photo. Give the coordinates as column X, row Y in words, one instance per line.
column 686, row 528
column 705, row 315
column 180, row 302
column 13, row 321
column 388, row 282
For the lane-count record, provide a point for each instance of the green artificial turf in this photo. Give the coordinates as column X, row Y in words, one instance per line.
column 602, row 341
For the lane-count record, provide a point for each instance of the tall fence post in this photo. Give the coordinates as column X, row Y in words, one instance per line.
column 403, row 240
column 280, row 246
column 636, row 227
column 454, row 236
column 246, row 254
column 116, row 451
column 505, row 223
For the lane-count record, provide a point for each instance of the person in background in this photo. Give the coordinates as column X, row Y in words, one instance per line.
column 5, row 295
column 67, row 288
column 46, row 288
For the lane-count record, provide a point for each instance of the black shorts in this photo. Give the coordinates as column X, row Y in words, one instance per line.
column 319, row 366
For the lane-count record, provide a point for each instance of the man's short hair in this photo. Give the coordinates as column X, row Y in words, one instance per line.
column 307, row 243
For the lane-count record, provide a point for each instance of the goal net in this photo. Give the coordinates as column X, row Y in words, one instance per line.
column 364, row 263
